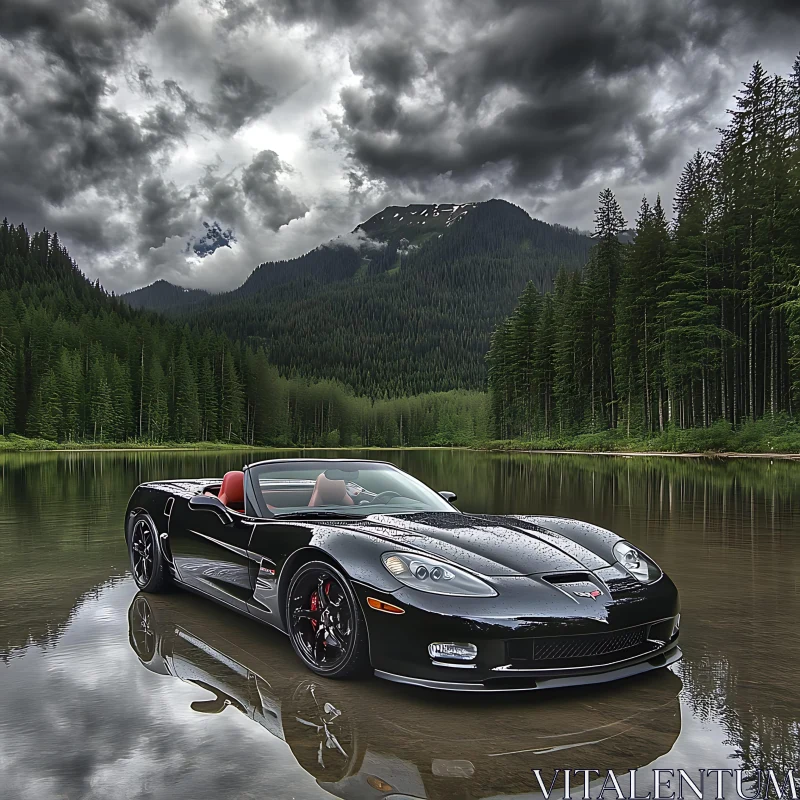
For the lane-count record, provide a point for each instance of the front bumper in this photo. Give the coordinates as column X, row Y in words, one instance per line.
column 511, row 680
column 528, row 636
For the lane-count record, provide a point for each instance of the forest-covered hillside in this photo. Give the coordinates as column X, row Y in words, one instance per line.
column 78, row 365
column 694, row 324
column 412, row 315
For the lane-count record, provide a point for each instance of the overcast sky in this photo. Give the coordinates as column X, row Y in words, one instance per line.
column 126, row 125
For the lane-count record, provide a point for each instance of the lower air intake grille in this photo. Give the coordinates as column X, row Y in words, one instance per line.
column 590, row 648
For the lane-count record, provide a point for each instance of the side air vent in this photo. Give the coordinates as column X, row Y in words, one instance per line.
column 567, row 577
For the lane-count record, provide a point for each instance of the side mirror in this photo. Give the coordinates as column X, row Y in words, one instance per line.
column 451, row 497
column 208, row 502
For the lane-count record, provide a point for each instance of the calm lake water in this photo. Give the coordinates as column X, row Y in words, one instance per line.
column 106, row 694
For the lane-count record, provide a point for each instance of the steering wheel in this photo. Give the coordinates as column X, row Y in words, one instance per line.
column 384, row 497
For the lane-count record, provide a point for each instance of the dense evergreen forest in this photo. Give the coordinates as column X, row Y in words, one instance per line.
column 414, row 316
column 78, row 365
column 694, row 324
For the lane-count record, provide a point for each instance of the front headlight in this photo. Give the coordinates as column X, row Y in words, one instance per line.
column 636, row 562
column 434, row 576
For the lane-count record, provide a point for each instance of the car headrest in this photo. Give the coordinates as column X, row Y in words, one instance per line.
column 231, row 492
column 328, row 492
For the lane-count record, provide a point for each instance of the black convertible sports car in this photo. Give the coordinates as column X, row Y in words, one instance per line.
column 364, row 566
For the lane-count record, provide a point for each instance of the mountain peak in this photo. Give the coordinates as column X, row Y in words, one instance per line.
column 162, row 295
column 416, row 222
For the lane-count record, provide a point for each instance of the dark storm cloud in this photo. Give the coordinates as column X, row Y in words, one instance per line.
column 238, row 98
column 331, row 12
column 111, row 112
column 390, row 64
column 336, row 14
column 162, row 206
column 77, row 30
column 222, row 197
column 276, row 205
column 554, row 92
column 58, row 136
column 143, row 76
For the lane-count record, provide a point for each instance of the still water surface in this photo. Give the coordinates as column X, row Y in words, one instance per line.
column 106, row 694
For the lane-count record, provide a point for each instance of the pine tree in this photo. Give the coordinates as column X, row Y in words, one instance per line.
column 501, row 380
column 232, row 409
column 121, row 391
column 571, row 352
column 7, row 386
column 523, row 333
column 602, row 280
column 689, row 311
column 543, row 364
column 69, row 385
column 101, row 410
column 157, row 403
column 629, row 325
column 207, row 398
column 187, row 406
column 44, row 417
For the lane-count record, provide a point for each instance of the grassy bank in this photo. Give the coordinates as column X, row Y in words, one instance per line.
column 778, row 436
column 18, row 444
column 15, row 444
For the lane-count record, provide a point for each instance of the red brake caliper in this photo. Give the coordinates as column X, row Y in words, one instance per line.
column 315, row 603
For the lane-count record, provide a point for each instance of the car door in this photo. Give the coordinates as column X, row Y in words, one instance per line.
column 209, row 547
column 271, row 544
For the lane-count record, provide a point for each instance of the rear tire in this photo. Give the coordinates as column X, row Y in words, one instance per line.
column 325, row 623
column 148, row 565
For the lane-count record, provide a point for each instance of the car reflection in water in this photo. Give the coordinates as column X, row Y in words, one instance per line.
column 364, row 740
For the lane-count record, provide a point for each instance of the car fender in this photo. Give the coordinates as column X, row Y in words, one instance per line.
column 355, row 554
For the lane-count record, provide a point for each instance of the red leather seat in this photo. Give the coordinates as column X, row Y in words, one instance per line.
column 231, row 492
column 329, row 493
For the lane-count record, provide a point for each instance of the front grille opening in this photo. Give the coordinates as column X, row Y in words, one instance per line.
column 590, row 645
column 567, row 577
column 594, row 648
column 519, row 650
column 661, row 631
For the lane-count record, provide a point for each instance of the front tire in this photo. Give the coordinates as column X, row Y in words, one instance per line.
column 148, row 565
column 325, row 624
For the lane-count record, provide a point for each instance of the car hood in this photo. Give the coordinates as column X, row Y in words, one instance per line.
column 488, row 545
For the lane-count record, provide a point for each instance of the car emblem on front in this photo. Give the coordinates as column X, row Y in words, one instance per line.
column 594, row 594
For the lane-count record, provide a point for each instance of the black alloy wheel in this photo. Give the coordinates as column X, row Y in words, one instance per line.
column 325, row 623
column 147, row 562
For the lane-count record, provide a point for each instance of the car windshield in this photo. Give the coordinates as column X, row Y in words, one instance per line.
column 301, row 488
